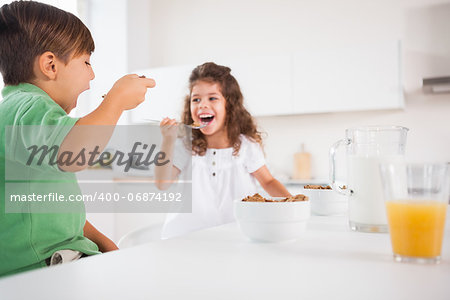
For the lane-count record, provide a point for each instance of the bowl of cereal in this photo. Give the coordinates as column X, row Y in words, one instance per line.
column 325, row 201
column 273, row 219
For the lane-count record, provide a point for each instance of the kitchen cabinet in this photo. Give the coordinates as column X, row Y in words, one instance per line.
column 347, row 78
column 315, row 80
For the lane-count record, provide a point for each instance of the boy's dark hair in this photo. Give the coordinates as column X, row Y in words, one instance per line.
column 29, row 29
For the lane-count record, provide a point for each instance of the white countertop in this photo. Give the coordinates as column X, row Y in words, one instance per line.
column 328, row 262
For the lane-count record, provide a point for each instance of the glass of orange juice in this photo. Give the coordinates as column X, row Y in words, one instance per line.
column 416, row 198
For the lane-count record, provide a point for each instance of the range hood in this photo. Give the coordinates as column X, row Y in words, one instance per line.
column 436, row 85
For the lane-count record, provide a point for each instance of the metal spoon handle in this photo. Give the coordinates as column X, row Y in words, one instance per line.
column 192, row 125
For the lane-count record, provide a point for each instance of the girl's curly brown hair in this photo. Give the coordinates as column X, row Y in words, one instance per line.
column 237, row 121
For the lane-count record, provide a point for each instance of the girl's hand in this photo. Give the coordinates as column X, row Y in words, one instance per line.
column 167, row 174
column 169, row 128
column 129, row 91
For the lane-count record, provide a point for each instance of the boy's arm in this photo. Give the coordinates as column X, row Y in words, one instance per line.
column 167, row 174
column 104, row 244
column 127, row 93
column 270, row 184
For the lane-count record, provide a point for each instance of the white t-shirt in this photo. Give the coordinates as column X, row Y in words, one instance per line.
column 218, row 178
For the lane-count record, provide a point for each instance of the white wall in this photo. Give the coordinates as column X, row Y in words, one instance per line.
column 199, row 30
column 138, row 37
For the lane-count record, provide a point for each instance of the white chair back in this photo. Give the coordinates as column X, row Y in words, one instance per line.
column 141, row 235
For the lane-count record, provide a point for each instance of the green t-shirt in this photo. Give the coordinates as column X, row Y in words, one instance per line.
column 28, row 116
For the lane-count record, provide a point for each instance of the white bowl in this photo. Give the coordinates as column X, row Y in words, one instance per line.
column 272, row 221
column 326, row 202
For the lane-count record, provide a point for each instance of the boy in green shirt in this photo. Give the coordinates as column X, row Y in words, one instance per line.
column 44, row 61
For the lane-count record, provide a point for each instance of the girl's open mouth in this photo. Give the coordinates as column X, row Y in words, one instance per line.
column 206, row 119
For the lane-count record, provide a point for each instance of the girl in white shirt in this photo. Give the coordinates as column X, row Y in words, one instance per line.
column 227, row 153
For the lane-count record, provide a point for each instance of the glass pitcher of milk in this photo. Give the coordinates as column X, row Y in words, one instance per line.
column 366, row 148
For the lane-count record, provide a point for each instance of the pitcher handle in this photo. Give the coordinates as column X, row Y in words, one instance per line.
column 335, row 187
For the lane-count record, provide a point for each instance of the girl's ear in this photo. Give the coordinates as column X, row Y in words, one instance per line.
column 47, row 65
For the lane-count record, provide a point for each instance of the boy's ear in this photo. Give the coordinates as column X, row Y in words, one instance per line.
column 47, row 65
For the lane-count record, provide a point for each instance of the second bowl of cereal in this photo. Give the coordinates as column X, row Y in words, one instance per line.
column 273, row 219
column 325, row 201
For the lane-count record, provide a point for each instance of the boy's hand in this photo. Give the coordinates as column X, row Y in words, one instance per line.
column 129, row 91
column 168, row 128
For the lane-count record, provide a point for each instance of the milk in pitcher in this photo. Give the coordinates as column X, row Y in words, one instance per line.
column 366, row 205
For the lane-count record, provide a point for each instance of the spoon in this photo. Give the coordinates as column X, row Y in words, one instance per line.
column 193, row 125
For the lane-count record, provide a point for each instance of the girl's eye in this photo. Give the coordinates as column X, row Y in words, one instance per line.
column 212, row 98
column 196, row 100
column 87, row 63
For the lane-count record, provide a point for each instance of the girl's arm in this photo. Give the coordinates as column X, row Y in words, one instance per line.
column 167, row 174
column 270, row 184
column 104, row 244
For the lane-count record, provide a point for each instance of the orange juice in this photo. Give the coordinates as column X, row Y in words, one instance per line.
column 416, row 227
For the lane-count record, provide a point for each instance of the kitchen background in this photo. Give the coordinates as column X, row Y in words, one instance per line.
column 303, row 90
